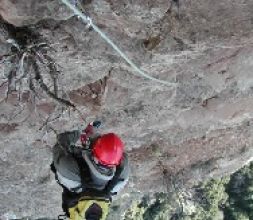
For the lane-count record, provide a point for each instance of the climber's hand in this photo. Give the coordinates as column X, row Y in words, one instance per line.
column 96, row 124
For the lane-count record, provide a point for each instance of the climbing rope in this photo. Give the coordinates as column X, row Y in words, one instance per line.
column 89, row 22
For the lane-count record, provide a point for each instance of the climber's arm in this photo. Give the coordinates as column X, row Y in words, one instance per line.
column 67, row 140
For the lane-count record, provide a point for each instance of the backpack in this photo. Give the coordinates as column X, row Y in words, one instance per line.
column 89, row 208
column 89, row 205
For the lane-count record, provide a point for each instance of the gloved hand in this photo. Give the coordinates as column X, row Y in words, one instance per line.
column 96, row 124
column 88, row 131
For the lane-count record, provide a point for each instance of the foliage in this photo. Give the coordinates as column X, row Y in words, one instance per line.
column 136, row 212
column 228, row 198
column 156, row 210
column 210, row 197
column 161, row 207
column 240, row 190
column 233, row 213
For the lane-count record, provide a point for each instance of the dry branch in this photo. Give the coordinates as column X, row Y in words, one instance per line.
column 44, row 87
column 30, row 64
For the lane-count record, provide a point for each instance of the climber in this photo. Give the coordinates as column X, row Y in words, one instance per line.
column 91, row 172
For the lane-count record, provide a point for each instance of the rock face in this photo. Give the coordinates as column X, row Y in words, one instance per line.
column 198, row 128
column 20, row 13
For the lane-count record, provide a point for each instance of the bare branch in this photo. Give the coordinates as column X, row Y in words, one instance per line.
column 3, row 83
column 14, row 115
column 45, row 88
column 53, row 73
column 29, row 54
column 10, row 77
column 48, row 120
column 21, row 68
column 6, row 57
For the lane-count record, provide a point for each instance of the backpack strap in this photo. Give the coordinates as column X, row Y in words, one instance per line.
column 119, row 175
column 85, row 174
column 112, row 183
column 52, row 168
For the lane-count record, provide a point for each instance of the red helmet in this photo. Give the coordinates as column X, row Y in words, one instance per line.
column 108, row 149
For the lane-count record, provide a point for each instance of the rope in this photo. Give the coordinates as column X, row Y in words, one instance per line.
column 88, row 20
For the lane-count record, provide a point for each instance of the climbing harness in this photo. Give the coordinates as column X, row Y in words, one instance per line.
column 89, row 22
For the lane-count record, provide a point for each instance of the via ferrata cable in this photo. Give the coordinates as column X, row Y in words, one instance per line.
column 89, row 22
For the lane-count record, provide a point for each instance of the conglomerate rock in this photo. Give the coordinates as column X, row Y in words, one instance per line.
column 198, row 128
